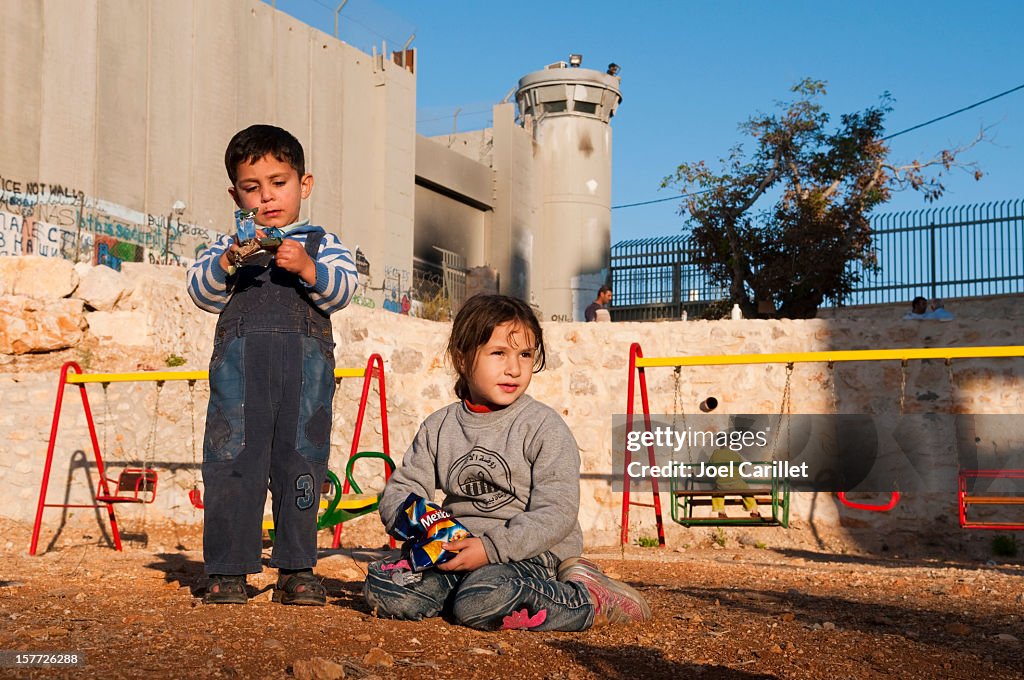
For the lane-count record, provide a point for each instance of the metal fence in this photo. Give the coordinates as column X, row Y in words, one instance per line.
column 958, row 251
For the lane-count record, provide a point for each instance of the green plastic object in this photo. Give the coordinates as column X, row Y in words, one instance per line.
column 344, row 507
column 338, row 509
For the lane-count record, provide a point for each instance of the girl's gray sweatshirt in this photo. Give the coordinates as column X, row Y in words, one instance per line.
column 510, row 476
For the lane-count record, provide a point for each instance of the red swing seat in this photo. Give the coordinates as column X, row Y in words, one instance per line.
column 133, row 485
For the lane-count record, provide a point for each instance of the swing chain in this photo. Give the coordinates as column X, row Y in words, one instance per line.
column 786, row 391
column 151, row 449
column 676, row 389
column 832, row 384
column 949, row 377
column 784, row 409
column 192, row 412
column 678, row 409
column 903, row 384
column 106, row 415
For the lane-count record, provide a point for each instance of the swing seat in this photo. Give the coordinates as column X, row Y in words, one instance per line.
column 993, row 499
column 133, row 485
column 772, row 494
column 337, row 507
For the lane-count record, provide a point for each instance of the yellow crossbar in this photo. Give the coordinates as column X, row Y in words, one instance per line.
column 158, row 376
column 836, row 356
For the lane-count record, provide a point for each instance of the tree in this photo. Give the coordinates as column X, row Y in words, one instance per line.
column 780, row 226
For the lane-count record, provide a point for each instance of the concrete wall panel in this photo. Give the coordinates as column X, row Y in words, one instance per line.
column 292, row 76
column 20, row 100
column 170, row 106
column 218, row 30
column 324, row 153
column 398, row 124
column 361, row 220
column 68, row 91
column 122, row 33
column 254, row 63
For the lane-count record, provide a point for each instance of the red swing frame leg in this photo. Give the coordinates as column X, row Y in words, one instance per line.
column 375, row 364
column 104, row 490
column 634, row 372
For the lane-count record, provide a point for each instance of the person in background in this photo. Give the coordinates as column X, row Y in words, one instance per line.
column 938, row 312
column 604, row 298
column 918, row 309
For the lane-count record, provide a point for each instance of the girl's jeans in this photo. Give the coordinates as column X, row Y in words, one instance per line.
column 496, row 596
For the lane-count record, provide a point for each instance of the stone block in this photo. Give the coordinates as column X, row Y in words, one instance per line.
column 406, row 360
column 120, row 328
column 37, row 277
column 100, row 287
column 31, row 325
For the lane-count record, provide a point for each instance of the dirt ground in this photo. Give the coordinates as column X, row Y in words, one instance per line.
column 719, row 612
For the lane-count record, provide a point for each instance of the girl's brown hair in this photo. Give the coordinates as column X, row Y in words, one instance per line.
column 475, row 322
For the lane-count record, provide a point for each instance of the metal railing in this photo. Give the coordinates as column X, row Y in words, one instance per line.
column 957, row 251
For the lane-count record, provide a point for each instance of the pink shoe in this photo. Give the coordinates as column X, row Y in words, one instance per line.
column 614, row 601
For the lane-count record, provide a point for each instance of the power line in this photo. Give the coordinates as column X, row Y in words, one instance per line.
column 661, row 200
column 895, row 134
column 948, row 115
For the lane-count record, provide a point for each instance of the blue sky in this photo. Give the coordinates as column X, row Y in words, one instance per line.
column 692, row 71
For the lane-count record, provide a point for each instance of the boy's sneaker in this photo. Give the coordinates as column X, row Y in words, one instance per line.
column 614, row 601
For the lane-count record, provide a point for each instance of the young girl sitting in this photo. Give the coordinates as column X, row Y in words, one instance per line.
column 509, row 468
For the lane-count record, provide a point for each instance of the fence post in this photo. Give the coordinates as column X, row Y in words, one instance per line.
column 931, row 245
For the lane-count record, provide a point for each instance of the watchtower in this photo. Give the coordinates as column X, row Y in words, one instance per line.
column 569, row 110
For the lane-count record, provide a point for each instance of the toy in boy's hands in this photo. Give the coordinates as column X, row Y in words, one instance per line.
column 245, row 224
column 425, row 526
column 253, row 249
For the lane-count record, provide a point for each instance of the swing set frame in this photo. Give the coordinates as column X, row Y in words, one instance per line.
column 638, row 364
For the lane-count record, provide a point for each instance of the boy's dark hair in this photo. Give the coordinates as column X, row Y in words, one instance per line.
column 604, row 289
column 475, row 322
column 256, row 141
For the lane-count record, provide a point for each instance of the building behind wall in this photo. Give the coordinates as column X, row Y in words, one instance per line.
column 115, row 113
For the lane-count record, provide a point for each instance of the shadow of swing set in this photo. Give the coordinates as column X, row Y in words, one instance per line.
column 774, row 492
column 137, row 484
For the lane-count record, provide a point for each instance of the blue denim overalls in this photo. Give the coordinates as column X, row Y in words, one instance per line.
column 271, row 389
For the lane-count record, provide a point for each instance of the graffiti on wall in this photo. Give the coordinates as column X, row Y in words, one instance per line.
column 28, row 236
column 112, row 253
column 396, row 286
column 54, row 220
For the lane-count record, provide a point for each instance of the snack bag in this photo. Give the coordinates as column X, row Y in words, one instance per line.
column 252, row 250
column 425, row 526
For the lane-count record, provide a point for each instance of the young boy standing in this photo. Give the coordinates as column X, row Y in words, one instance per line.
column 271, row 374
